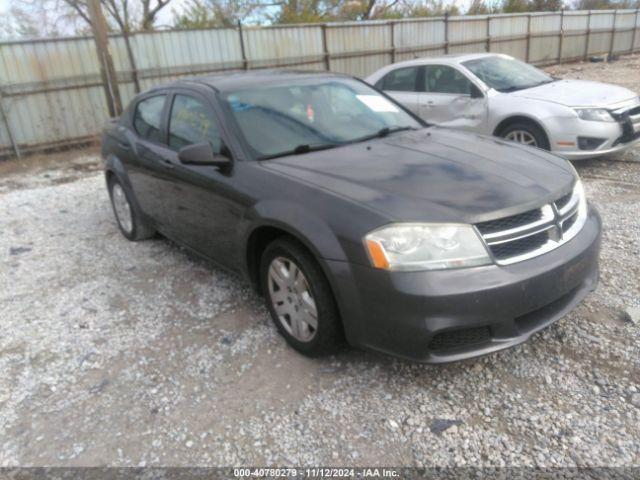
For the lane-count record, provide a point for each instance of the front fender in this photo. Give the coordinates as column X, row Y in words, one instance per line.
column 308, row 227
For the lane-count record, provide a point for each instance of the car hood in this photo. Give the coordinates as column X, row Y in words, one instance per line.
column 578, row 93
column 435, row 174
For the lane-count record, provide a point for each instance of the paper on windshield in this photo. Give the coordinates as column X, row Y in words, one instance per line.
column 377, row 103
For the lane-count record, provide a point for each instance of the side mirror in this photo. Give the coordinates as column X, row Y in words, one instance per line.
column 203, row 154
column 475, row 92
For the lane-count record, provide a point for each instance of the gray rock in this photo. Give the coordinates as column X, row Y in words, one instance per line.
column 439, row 425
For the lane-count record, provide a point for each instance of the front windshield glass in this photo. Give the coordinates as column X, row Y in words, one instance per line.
column 310, row 114
column 506, row 74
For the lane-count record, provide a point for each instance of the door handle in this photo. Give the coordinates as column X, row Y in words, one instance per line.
column 124, row 146
column 168, row 163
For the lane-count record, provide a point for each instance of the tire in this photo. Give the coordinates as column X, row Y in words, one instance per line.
column 132, row 226
column 327, row 336
column 526, row 128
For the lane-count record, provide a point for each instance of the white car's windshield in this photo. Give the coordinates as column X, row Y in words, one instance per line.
column 313, row 114
column 506, row 74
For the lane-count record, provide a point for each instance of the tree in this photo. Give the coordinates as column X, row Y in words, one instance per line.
column 478, row 7
column 515, row 6
column 221, row 13
column 71, row 17
column 546, row 5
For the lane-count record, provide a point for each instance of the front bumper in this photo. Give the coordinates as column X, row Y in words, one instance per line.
column 448, row 315
column 564, row 134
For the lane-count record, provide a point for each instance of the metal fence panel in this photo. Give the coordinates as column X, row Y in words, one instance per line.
column 284, row 46
column 52, row 93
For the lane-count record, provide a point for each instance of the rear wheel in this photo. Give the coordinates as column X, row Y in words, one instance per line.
column 527, row 134
column 299, row 298
column 128, row 217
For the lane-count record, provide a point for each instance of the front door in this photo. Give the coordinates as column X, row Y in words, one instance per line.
column 402, row 84
column 450, row 99
column 201, row 203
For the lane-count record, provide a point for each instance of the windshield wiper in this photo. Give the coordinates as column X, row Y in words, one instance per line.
column 300, row 149
column 383, row 132
column 524, row 87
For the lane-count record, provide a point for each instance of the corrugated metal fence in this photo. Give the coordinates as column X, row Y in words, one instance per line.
column 51, row 92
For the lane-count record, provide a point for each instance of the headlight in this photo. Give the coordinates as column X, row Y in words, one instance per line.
column 425, row 246
column 594, row 114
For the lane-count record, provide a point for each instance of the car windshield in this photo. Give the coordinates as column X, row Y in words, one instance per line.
column 507, row 74
column 313, row 114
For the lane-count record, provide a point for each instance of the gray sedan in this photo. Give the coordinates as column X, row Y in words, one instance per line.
column 498, row 95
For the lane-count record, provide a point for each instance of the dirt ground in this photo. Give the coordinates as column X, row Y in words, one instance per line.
column 115, row 353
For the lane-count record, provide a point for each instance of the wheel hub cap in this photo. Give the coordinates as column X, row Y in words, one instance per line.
column 522, row 136
column 292, row 299
column 122, row 208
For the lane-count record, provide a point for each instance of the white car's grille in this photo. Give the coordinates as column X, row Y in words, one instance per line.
column 534, row 232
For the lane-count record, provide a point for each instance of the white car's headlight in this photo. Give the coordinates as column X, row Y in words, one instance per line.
column 425, row 246
column 594, row 114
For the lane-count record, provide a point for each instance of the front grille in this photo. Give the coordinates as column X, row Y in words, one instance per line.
column 563, row 201
column 568, row 223
column 508, row 223
column 634, row 111
column 531, row 233
column 520, row 246
column 456, row 339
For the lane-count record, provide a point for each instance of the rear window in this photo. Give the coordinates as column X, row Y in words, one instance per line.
column 148, row 118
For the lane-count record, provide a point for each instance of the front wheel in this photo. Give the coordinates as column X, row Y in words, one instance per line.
column 299, row 298
column 527, row 134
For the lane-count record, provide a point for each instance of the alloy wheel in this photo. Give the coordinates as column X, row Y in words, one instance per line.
column 122, row 208
column 521, row 136
column 292, row 299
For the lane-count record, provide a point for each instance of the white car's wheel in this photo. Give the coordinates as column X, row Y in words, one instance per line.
column 528, row 134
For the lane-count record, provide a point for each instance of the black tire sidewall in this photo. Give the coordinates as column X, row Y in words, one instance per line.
column 327, row 338
column 534, row 130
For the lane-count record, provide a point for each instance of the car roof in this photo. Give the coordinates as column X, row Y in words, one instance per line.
column 456, row 58
column 236, row 80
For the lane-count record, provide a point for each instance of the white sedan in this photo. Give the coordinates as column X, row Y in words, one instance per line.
column 499, row 95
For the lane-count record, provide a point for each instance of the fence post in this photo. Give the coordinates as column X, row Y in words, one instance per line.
column 325, row 48
column 586, row 43
column 528, row 38
column 613, row 33
column 635, row 29
column 561, row 40
column 245, row 62
column 107, row 70
column 5, row 120
column 488, row 47
column 393, row 41
column 132, row 61
column 446, row 33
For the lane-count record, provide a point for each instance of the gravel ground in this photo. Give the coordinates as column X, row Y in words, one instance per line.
column 122, row 354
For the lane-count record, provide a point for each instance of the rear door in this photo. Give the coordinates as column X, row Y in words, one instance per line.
column 201, row 204
column 148, row 171
column 451, row 99
column 403, row 84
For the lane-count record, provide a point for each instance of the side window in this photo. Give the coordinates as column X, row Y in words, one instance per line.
column 401, row 80
column 192, row 122
column 148, row 118
column 444, row 79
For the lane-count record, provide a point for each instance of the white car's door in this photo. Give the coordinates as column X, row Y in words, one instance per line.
column 402, row 85
column 450, row 99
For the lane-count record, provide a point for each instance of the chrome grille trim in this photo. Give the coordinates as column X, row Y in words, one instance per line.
column 560, row 225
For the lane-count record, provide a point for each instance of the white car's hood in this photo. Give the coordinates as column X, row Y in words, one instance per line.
column 579, row 93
